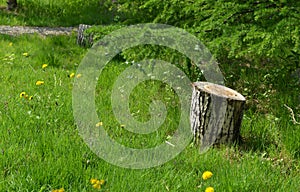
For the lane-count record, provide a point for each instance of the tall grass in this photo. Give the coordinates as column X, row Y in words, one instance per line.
column 41, row 149
column 58, row 13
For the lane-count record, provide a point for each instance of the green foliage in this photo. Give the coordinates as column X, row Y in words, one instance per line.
column 147, row 51
column 98, row 32
column 143, row 52
column 231, row 29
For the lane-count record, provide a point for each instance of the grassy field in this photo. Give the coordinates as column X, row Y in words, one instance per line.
column 40, row 149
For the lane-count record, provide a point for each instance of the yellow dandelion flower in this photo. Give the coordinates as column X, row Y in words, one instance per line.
column 100, row 182
column 30, row 98
column 99, row 124
column 206, row 175
column 78, row 75
column 44, row 66
column 25, row 54
column 58, row 190
column 22, row 94
column 209, row 189
column 72, row 75
column 97, row 186
column 10, row 44
column 93, row 181
column 39, row 83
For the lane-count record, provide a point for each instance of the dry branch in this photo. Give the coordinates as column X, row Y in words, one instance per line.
column 292, row 115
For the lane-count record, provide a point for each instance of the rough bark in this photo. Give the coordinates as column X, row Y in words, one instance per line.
column 82, row 39
column 216, row 114
column 11, row 4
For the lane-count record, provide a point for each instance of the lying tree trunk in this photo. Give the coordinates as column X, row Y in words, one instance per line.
column 216, row 114
column 82, row 39
column 11, row 4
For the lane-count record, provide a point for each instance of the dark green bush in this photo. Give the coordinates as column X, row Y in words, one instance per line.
column 230, row 28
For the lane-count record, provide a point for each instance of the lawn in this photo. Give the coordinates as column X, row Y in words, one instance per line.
column 41, row 150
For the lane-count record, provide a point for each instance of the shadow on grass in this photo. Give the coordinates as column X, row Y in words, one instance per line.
column 34, row 13
column 256, row 144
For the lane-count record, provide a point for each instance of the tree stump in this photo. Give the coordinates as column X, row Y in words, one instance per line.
column 216, row 114
column 82, row 39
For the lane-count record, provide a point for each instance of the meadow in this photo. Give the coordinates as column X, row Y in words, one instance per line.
column 41, row 150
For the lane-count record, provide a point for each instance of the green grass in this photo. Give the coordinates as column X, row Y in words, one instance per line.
column 41, row 149
column 58, row 13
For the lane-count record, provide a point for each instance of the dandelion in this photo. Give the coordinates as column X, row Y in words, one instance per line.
column 97, row 183
column 93, row 181
column 206, row 175
column 99, row 124
column 101, row 182
column 10, row 44
column 39, row 83
column 25, row 96
column 78, row 75
column 209, row 189
column 97, row 186
column 72, row 75
column 22, row 94
column 25, row 54
column 59, row 190
column 44, row 66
